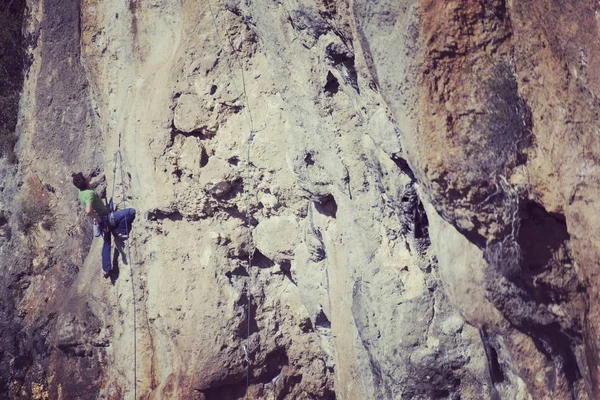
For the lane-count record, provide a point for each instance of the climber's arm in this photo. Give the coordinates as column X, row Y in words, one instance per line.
column 90, row 211
column 96, row 181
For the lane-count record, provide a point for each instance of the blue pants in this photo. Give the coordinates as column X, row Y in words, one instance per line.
column 123, row 220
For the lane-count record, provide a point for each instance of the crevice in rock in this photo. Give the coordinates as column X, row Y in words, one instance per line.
column 242, row 329
column 342, row 58
column 158, row 215
column 403, row 165
column 421, row 230
column 201, row 133
column 318, row 253
column 494, row 368
column 75, row 349
column 413, row 218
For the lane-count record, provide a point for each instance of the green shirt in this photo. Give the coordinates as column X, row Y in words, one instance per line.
column 90, row 196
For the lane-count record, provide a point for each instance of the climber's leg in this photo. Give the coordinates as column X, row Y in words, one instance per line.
column 120, row 248
column 106, row 265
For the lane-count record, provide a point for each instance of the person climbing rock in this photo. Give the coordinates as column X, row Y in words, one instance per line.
column 118, row 223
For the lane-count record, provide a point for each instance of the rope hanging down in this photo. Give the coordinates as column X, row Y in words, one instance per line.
column 118, row 157
column 247, row 187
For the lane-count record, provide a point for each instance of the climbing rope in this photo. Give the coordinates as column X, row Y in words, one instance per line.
column 247, row 187
column 118, row 156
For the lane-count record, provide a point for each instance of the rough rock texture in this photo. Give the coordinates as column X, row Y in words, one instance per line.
column 404, row 192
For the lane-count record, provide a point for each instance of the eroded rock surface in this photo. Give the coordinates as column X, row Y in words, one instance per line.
column 353, row 200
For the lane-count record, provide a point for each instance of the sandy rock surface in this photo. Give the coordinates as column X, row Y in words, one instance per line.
column 335, row 199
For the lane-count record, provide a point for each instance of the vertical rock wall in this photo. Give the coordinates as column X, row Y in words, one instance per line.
column 418, row 179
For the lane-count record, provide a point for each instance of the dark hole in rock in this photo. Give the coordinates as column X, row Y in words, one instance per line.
column 339, row 53
column 203, row 158
column 213, row 89
column 540, row 236
column 332, row 86
column 322, row 321
column 286, row 269
column 327, row 206
column 234, row 160
column 237, row 271
column 178, row 173
column 308, row 160
column 261, row 261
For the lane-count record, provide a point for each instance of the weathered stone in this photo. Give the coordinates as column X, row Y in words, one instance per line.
column 420, row 179
column 277, row 237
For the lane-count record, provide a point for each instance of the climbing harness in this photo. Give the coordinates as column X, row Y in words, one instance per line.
column 247, row 189
column 118, row 157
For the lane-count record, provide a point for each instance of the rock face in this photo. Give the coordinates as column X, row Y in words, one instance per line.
column 335, row 199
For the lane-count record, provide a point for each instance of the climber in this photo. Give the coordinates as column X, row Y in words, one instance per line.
column 105, row 222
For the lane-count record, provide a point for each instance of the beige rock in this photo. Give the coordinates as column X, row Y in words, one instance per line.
column 188, row 113
column 373, row 145
column 277, row 237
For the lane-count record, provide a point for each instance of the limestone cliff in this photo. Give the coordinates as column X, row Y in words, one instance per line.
column 336, row 199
